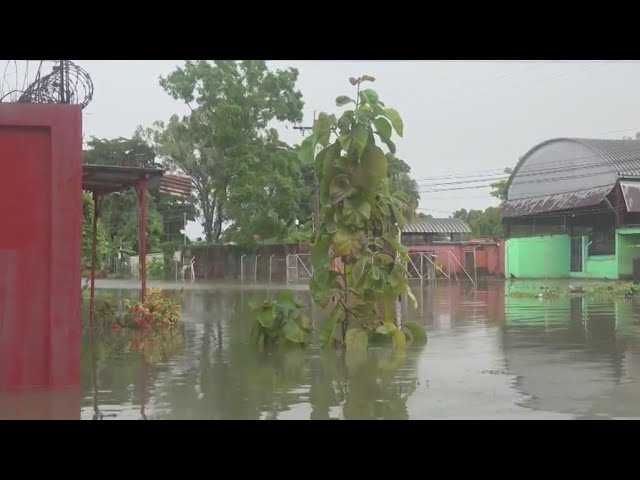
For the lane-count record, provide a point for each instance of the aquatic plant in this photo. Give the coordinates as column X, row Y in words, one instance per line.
column 360, row 221
column 280, row 321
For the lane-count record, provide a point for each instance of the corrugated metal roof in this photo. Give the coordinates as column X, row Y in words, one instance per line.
column 553, row 203
column 622, row 155
column 567, row 173
column 631, row 195
column 437, row 225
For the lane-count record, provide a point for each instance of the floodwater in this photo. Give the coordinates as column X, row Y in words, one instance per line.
column 488, row 357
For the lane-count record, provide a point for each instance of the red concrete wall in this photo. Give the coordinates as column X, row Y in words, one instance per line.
column 40, row 243
column 489, row 257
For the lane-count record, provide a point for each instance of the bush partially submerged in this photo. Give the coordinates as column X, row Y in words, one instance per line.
column 159, row 311
column 280, row 322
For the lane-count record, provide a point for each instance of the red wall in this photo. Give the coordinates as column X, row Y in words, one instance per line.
column 489, row 257
column 40, row 243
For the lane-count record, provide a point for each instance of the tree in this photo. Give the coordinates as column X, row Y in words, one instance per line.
column 268, row 196
column 499, row 188
column 360, row 223
column 102, row 245
column 232, row 105
column 401, row 180
column 483, row 223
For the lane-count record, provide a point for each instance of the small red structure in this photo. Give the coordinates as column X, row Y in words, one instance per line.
column 40, row 244
column 443, row 241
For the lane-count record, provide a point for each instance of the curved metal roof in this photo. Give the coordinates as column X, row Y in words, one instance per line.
column 437, row 225
column 566, row 173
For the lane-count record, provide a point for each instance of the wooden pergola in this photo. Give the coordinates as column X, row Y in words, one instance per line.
column 103, row 180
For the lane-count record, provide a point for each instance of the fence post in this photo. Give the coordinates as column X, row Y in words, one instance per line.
column 270, row 260
column 255, row 268
column 242, row 268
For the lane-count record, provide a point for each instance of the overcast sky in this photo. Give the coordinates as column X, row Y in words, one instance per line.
column 460, row 117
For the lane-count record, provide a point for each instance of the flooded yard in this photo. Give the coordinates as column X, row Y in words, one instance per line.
column 487, row 357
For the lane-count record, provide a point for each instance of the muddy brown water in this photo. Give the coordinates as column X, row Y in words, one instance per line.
column 489, row 356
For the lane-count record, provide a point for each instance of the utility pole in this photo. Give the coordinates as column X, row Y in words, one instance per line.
column 316, row 184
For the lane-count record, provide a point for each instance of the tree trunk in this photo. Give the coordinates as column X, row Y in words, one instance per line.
column 207, row 224
column 217, row 225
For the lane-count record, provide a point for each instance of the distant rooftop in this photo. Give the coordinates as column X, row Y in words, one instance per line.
column 437, row 225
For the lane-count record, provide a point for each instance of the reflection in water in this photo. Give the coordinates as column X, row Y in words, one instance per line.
column 488, row 356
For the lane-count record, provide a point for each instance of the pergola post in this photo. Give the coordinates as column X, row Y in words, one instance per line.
column 142, row 235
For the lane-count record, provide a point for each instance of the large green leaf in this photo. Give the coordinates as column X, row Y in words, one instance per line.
column 292, row 332
column 375, row 273
column 267, row 316
column 305, row 322
column 362, row 207
column 386, row 328
column 307, row 150
column 396, row 120
column 342, row 242
column 343, row 100
column 374, row 163
column 418, row 332
column 356, row 339
column 385, row 258
column 344, row 122
column 393, row 241
column 338, row 187
column 383, row 128
column 322, row 128
column 286, row 302
column 345, row 140
column 320, row 252
column 365, row 117
column 360, row 134
column 359, row 268
column 327, row 333
column 369, row 96
column 321, row 295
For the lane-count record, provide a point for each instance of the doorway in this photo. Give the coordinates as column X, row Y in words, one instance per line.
column 576, row 254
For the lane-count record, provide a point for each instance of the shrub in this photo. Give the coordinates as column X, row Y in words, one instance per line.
column 158, row 311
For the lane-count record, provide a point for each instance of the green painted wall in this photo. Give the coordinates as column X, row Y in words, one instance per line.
column 601, row 266
column 538, row 257
column 549, row 256
column 628, row 247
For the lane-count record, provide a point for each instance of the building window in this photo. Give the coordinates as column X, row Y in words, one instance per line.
column 602, row 241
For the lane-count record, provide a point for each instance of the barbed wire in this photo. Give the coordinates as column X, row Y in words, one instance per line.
column 54, row 81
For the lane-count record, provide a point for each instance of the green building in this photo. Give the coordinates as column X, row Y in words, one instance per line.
column 573, row 210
